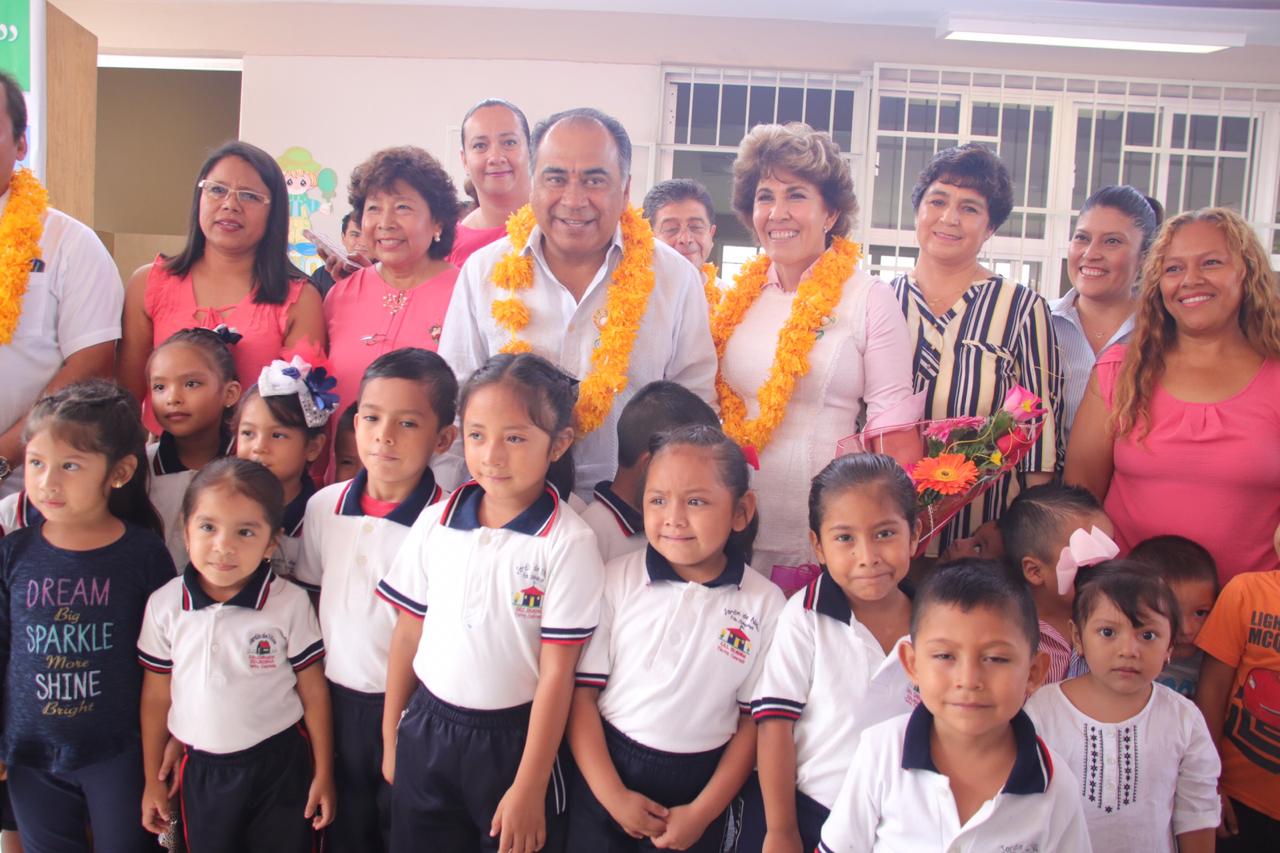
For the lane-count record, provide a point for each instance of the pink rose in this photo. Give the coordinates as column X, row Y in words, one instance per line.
column 1022, row 404
column 942, row 429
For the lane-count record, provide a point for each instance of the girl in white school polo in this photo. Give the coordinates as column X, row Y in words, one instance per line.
column 230, row 650
column 281, row 424
column 498, row 589
column 1147, row 766
column 352, row 533
column 661, row 729
column 833, row 668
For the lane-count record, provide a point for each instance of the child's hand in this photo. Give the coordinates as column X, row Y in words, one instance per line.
column 520, row 821
column 172, row 756
column 155, row 806
column 782, row 842
column 685, row 825
column 4, row 771
column 320, row 802
column 389, row 758
column 638, row 815
column 1229, row 828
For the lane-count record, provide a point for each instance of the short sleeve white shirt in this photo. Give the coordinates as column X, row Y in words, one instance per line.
column 619, row 528
column 489, row 598
column 17, row 512
column 894, row 800
column 345, row 554
column 677, row 662
column 673, row 342
column 1142, row 781
column 284, row 561
column 73, row 301
column 233, row 665
column 166, row 487
column 828, row 673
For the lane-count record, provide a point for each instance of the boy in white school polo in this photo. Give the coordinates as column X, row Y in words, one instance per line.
column 965, row 771
column 349, row 541
column 17, row 512
column 828, row 676
column 614, row 513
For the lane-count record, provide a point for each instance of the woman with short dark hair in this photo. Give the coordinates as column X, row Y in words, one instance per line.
column 975, row 334
column 409, row 221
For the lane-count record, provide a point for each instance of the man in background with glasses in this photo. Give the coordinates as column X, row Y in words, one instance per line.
column 683, row 217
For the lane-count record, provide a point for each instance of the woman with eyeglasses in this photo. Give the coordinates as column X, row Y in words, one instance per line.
column 234, row 272
column 409, row 221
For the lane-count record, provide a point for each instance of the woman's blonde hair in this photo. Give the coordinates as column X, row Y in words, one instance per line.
column 1156, row 332
column 811, row 155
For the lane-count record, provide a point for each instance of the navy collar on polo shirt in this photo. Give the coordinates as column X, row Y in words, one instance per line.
column 406, row 512
column 463, row 511
column 826, row 597
column 629, row 519
column 1032, row 768
column 167, row 461
column 252, row 596
column 297, row 508
column 660, row 568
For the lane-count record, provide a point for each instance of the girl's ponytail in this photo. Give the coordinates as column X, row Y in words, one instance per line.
column 97, row 416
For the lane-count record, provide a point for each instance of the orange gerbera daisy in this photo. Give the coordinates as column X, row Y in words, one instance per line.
column 946, row 474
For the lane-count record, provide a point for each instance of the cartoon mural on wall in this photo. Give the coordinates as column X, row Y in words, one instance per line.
column 311, row 190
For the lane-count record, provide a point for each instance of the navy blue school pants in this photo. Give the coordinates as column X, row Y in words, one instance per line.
column 668, row 778
column 1258, row 832
column 453, row 766
column 363, row 824
column 250, row 801
column 55, row 810
column 810, row 816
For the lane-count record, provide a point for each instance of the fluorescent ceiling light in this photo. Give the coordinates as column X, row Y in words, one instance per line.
column 1057, row 33
column 170, row 63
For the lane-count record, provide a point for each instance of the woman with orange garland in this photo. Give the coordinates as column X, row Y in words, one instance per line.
column 809, row 344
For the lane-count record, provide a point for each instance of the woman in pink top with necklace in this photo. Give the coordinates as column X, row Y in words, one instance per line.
column 234, row 271
column 495, row 156
column 1177, row 432
column 409, row 221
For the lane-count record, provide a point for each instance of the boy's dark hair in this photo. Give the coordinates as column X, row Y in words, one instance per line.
column 658, row 407
column 251, row 479
column 548, row 393
column 346, row 220
column 285, row 408
column 215, row 349
column 975, row 167
column 15, row 104
column 862, row 470
column 96, row 416
column 272, row 269
column 347, row 420
column 418, row 365
column 1177, row 558
column 730, row 463
column 1129, row 585
column 968, row 583
column 1032, row 525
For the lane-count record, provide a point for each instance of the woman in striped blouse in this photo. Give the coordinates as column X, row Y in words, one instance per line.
column 975, row 335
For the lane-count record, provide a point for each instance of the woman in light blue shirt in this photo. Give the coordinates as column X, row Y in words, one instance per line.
column 1104, row 261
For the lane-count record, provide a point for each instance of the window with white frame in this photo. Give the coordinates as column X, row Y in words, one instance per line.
column 707, row 112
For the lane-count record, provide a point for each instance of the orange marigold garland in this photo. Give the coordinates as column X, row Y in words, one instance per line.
column 709, row 275
column 816, row 298
column 625, row 307
column 20, row 230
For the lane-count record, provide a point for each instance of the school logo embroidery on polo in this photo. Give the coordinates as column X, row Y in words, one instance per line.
column 262, row 652
column 528, row 602
column 735, row 643
column 1020, row 848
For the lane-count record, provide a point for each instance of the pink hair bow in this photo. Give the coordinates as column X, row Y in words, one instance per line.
column 1083, row 549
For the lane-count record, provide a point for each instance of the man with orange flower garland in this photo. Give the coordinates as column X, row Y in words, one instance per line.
column 580, row 280
column 60, row 293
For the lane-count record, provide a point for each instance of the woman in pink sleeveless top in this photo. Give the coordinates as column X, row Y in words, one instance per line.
column 495, row 155
column 234, row 271
column 1177, row 432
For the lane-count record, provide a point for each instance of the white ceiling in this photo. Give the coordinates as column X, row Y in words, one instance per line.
column 1258, row 19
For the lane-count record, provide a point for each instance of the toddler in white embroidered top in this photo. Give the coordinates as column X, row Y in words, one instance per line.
column 1147, row 766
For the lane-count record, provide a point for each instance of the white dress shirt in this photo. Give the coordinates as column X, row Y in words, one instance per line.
column 674, row 340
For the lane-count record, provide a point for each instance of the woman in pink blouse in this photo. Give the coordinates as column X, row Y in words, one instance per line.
column 234, row 271
column 495, row 155
column 1177, row 431
column 793, row 190
column 409, row 220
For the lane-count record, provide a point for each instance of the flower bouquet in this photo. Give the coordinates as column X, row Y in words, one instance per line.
column 962, row 457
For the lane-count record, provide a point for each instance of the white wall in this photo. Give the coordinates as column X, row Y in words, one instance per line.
column 344, row 109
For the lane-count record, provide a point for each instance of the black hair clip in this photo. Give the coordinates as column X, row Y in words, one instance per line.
column 227, row 333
